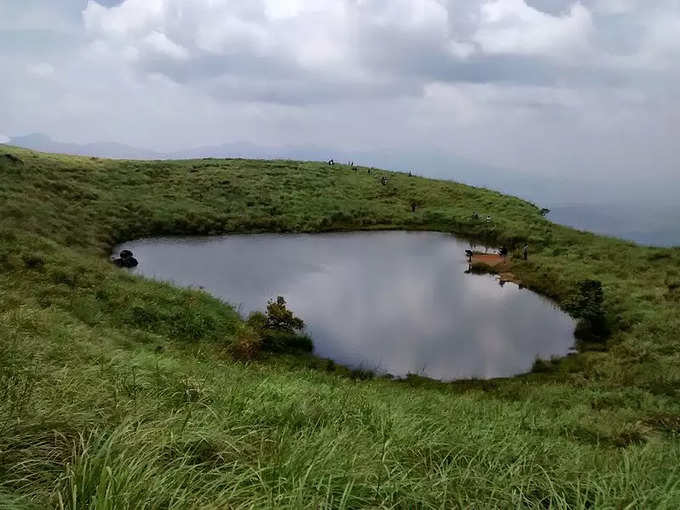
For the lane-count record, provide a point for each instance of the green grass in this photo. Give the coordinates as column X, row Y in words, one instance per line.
column 92, row 416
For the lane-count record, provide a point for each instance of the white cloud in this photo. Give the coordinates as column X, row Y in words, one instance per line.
column 513, row 27
column 159, row 43
column 42, row 69
column 4, row 138
column 222, row 33
column 132, row 17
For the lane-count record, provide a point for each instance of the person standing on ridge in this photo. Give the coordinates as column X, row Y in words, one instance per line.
column 525, row 251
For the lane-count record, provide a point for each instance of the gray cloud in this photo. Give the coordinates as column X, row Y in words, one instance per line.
column 554, row 7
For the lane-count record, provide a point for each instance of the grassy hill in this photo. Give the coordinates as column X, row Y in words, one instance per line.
column 94, row 415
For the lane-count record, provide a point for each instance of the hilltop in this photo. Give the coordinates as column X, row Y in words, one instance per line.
column 93, row 414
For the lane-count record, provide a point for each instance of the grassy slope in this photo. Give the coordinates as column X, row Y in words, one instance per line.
column 92, row 417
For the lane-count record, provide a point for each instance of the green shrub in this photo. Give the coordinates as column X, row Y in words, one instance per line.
column 257, row 321
column 281, row 341
column 279, row 329
column 362, row 374
column 586, row 304
column 541, row 366
column 192, row 324
column 247, row 344
column 33, row 261
column 279, row 318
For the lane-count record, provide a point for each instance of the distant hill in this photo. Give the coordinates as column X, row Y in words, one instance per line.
column 41, row 142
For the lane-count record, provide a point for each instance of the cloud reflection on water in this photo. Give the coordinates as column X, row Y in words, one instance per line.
column 396, row 301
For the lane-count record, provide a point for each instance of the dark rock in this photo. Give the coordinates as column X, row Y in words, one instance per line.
column 128, row 262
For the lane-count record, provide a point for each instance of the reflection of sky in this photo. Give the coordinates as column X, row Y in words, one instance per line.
column 397, row 301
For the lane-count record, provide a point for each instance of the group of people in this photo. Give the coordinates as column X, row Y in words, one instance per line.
column 383, row 179
column 331, row 162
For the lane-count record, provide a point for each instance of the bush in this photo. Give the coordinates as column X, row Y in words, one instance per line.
column 586, row 305
column 257, row 321
column 361, row 374
column 541, row 366
column 280, row 341
column 247, row 344
column 279, row 318
column 33, row 261
column 192, row 324
column 279, row 329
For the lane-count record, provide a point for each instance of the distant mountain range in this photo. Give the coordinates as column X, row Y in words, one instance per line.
column 43, row 143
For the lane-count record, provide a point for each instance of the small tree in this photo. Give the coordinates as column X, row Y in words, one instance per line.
column 586, row 305
column 279, row 329
column 280, row 318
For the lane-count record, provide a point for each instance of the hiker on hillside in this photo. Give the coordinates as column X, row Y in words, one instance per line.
column 383, row 180
column 525, row 252
column 331, row 162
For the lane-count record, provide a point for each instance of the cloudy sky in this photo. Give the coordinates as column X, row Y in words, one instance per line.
column 583, row 89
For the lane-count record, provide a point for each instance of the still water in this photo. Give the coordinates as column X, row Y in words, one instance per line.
column 396, row 302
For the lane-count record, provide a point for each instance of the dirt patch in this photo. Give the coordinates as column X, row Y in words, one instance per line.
column 491, row 260
column 497, row 264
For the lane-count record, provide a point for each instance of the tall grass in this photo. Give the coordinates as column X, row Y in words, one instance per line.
column 94, row 415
